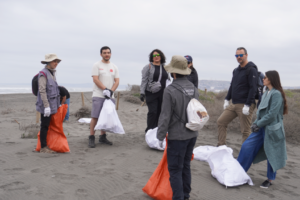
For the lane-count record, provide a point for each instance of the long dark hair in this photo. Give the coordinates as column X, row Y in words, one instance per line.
column 162, row 56
column 274, row 78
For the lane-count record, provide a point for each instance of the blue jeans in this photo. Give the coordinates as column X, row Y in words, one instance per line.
column 179, row 155
column 250, row 149
column 68, row 113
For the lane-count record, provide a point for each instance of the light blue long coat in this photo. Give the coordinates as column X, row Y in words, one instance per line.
column 270, row 116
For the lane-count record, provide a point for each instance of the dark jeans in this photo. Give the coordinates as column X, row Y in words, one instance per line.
column 154, row 101
column 45, row 122
column 179, row 155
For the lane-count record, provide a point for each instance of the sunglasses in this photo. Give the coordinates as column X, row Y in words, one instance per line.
column 239, row 55
column 265, row 77
column 156, row 55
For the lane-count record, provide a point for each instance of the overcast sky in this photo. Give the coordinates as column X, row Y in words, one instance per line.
column 209, row 31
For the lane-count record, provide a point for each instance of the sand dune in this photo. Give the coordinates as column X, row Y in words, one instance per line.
column 113, row 172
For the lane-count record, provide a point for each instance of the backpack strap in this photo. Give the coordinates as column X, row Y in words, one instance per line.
column 185, row 93
column 43, row 74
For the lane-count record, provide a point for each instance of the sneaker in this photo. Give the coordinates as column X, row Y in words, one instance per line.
column 266, row 184
column 47, row 150
column 92, row 141
column 103, row 140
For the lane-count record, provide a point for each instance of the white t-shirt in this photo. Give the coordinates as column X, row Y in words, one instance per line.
column 106, row 74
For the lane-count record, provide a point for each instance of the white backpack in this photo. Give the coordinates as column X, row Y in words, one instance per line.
column 196, row 113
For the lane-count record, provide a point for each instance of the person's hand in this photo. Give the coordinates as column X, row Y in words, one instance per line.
column 246, row 110
column 107, row 94
column 161, row 144
column 47, row 112
column 142, row 97
column 111, row 93
column 254, row 128
column 226, row 104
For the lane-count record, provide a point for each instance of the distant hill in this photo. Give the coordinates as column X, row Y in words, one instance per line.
column 216, row 86
column 213, row 85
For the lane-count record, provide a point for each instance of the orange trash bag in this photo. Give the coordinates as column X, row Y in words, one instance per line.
column 56, row 139
column 158, row 187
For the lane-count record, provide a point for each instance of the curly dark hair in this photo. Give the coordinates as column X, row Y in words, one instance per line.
column 162, row 56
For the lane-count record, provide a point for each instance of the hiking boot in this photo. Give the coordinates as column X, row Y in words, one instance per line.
column 103, row 140
column 92, row 141
column 47, row 150
column 266, row 184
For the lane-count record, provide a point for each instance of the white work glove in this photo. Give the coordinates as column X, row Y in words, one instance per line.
column 107, row 93
column 226, row 104
column 161, row 144
column 47, row 112
column 246, row 110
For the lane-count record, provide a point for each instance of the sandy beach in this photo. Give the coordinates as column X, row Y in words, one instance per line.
column 113, row 172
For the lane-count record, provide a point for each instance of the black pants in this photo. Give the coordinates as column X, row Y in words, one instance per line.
column 179, row 155
column 45, row 122
column 154, row 101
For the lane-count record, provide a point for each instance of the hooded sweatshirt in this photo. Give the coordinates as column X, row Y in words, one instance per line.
column 243, row 86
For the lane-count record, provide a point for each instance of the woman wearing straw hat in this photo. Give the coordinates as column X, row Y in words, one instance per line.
column 48, row 100
column 154, row 77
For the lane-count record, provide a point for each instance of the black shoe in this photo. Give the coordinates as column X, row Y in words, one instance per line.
column 92, row 141
column 266, row 184
column 103, row 140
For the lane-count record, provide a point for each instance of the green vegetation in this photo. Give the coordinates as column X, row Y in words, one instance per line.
column 136, row 95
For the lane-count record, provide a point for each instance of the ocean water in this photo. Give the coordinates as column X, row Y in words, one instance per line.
column 16, row 89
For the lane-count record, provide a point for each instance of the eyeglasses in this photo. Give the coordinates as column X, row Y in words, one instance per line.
column 239, row 55
column 189, row 63
column 156, row 55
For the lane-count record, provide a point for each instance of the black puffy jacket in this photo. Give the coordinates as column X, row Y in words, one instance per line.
column 243, row 86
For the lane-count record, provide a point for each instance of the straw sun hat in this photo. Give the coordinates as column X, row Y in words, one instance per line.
column 49, row 58
column 178, row 65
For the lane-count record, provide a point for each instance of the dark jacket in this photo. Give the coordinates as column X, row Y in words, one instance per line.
column 175, row 101
column 243, row 87
column 193, row 77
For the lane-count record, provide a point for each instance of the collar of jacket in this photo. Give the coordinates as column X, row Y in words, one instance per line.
column 265, row 99
column 52, row 71
column 180, row 79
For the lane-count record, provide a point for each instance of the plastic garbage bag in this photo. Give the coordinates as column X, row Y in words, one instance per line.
column 158, row 186
column 85, row 120
column 197, row 115
column 224, row 167
column 152, row 141
column 56, row 139
column 108, row 119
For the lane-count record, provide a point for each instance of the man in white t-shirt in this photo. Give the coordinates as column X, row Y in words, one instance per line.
column 106, row 80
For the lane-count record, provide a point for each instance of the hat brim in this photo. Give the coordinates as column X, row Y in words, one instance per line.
column 45, row 62
column 170, row 69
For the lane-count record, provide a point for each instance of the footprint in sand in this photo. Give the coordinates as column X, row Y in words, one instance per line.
column 17, row 185
column 82, row 192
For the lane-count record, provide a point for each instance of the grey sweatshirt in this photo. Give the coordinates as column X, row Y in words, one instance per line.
column 147, row 77
column 175, row 101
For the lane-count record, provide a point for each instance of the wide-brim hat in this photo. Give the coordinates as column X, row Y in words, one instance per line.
column 49, row 58
column 178, row 65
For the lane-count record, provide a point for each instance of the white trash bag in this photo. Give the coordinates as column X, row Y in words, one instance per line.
column 152, row 141
column 224, row 167
column 108, row 119
column 85, row 120
column 197, row 115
